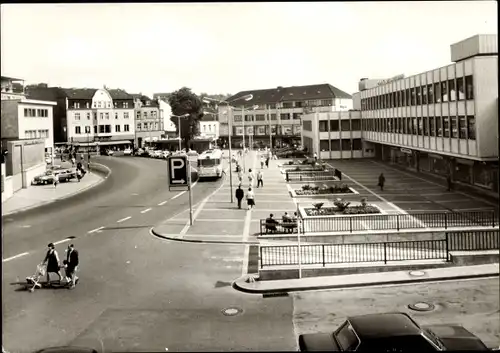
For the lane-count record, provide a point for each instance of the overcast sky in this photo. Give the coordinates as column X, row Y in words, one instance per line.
column 230, row 47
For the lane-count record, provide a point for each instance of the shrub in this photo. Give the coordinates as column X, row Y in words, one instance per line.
column 363, row 202
column 341, row 204
column 290, row 163
column 318, row 206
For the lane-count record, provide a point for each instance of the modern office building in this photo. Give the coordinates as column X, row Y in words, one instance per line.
column 25, row 118
column 148, row 122
column 335, row 135
column 274, row 115
column 443, row 121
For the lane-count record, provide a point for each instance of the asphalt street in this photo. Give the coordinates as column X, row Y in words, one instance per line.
column 136, row 292
column 470, row 303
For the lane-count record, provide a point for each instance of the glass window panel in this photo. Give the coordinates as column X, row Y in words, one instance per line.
column 345, row 125
column 413, row 96
column 323, row 127
column 356, row 124
column 460, row 89
column 432, row 128
column 439, row 126
column 356, row 145
column 462, row 127
column 419, row 95
column 334, row 125
column 469, row 88
column 444, row 91
column 437, row 92
column 335, row 145
column 446, row 126
column 451, row 90
column 425, row 123
column 454, row 130
column 471, row 127
column 346, row 145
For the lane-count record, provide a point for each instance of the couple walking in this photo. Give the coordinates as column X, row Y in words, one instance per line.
column 70, row 264
column 240, row 194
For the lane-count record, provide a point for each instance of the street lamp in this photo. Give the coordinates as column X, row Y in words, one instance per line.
column 246, row 98
column 179, row 117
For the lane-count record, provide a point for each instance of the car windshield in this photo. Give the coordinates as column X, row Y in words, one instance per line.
column 346, row 338
column 208, row 162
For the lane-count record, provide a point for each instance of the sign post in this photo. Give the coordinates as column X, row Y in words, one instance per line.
column 179, row 178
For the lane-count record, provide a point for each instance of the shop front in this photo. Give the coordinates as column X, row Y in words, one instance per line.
column 439, row 165
column 485, row 175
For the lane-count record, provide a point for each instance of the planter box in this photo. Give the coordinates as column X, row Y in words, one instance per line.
column 292, row 170
column 353, row 192
column 305, row 216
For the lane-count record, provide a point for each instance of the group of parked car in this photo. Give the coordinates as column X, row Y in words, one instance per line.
column 160, row 154
column 290, row 152
column 59, row 174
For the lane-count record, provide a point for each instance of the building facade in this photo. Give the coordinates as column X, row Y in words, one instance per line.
column 12, row 88
column 28, row 119
column 148, row 121
column 100, row 117
column 335, row 135
column 273, row 116
column 443, row 121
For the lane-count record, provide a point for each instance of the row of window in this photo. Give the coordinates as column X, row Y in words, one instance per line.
column 102, row 116
column 341, row 145
column 344, row 125
column 100, row 104
column 36, row 134
column 209, row 127
column 154, row 115
column 103, row 129
column 264, row 117
column 33, row 113
column 463, row 127
column 450, row 90
column 147, row 126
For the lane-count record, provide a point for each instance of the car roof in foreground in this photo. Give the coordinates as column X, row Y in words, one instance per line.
column 373, row 326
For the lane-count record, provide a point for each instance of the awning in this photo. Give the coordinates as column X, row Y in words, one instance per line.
column 110, row 143
column 85, row 144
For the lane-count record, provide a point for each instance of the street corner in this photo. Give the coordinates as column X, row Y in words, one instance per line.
column 248, row 284
column 208, row 228
column 170, row 229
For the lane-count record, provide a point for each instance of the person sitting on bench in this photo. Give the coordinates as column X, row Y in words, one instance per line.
column 271, row 224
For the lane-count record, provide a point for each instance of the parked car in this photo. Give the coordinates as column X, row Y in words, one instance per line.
column 391, row 332
column 109, row 152
column 127, row 152
column 45, row 178
column 294, row 153
column 65, row 174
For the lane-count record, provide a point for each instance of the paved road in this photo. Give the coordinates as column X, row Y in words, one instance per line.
column 137, row 292
column 471, row 303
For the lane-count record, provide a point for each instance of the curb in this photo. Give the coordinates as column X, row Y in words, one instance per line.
column 199, row 241
column 249, row 290
column 43, row 203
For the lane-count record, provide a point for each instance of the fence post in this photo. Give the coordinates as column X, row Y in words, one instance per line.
column 261, row 262
column 447, row 248
column 446, row 220
column 350, row 224
column 493, row 218
column 323, row 252
column 397, row 221
column 385, row 253
column 287, row 179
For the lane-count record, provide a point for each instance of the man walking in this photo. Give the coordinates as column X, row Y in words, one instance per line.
column 250, row 178
column 449, row 183
column 72, row 261
column 260, row 175
column 381, row 181
column 239, row 195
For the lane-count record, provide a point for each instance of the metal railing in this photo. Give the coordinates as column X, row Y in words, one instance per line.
column 323, row 254
column 400, row 221
column 474, row 240
column 277, row 227
column 310, row 175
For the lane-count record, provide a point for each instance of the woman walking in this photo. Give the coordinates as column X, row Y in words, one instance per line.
column 52, row 260
column 250, row 198
column 381, row 181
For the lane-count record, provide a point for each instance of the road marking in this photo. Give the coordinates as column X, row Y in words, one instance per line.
column 179, row 194
column 62, row 241
column 95, row 230
column 15, row 257
column 123, row 219
column 441, row 186
column 162, row 203
column 26, row 226
column 146, row 210
column 246, row 233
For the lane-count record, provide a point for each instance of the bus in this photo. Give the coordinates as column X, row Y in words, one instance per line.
column 210, row 164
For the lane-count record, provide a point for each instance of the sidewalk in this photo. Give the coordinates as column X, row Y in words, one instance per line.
column 366, row 279
column 38, row 195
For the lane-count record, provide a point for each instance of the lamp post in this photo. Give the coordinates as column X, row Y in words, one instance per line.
column 246, row 98
column 179, row 117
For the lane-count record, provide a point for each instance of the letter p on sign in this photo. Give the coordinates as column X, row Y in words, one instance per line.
column 178, row 171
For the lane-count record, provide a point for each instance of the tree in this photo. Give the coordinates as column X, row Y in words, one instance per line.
column 184, row 101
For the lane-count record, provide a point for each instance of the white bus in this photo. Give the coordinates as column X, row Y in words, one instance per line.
column 210, row 164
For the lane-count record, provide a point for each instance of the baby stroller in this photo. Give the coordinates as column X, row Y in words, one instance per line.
column 33, row 282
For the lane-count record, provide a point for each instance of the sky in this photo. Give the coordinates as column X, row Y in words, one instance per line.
column 232, row 47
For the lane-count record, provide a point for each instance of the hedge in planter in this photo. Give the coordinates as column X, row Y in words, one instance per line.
column 325, row 189
column 350, row 210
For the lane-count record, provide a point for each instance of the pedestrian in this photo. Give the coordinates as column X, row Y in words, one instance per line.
column 267, row 162
column 55, row 180
column 240, row 175
column 250, row 178
column 72, row 261
column 250, row 198
column 73, row 160
column 260, row 175
column 315, row 156
column 52, row 261
column 449, row 182
column 262, row 161
column 381, row 181
column 239, row 195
